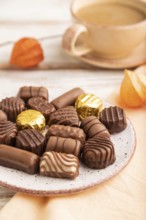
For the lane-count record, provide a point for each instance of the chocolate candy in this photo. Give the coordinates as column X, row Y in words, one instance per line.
column 64, row 145
column 88, row 105
column 31, row 140
column 94, row 128
column 8, row 131
column 68, row 98
column 12, row 107
column 65, row 116
column 3, row 116
column 113, row 118
column 98, row 153
column 66, row 132
column 41, row 105
column 31, row 119
column 27, row 92
column 19, row 159
column 59, row 165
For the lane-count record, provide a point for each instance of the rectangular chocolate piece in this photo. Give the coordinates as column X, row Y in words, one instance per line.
column 27, row 92
column 18, row 159
column 66, row 132
column 64, row 145
column 59, row 165
column 67, row 98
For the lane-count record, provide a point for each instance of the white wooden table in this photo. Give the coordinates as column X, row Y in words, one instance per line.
column 40, row 18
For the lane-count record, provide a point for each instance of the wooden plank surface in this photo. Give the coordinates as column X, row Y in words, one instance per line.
column 39, row 18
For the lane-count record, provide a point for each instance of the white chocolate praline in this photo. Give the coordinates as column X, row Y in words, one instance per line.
column 60, row 165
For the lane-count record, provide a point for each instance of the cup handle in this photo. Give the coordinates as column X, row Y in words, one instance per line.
column 70, row 38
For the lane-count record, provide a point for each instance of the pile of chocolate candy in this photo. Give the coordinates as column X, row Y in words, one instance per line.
column 51, row 138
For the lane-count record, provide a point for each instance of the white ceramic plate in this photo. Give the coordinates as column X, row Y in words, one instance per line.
column 124, row 143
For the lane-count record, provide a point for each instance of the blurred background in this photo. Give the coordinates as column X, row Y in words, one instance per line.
column 37, row 18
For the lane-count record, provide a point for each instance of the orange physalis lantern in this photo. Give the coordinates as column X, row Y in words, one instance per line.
column 133, row 87
column 26, row 53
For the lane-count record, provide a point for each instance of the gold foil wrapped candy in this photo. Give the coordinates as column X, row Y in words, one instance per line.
column 87, row 105
column 31, row 119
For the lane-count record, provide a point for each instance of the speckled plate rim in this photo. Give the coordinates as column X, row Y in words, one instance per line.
column 71, row 191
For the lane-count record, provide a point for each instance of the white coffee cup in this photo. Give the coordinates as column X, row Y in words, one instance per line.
column 108, row 41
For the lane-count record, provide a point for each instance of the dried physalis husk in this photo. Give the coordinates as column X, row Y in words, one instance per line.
column 133, row 87
column 26, row 53
column 88, row 105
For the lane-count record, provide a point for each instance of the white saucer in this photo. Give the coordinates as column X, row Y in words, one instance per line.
column 136, row 58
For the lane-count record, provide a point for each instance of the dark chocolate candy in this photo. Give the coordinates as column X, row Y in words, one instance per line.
column 3, row 116
column 64, row 116
column 59, row 165
column 98, row 153
column 19, row 159
column 41, row 105
column 31, row 140
column 27, row 92
column 66, row 132
column 64, row 145
column 12, row 107
column 68, row 98
column 8, row 131
column 94, row 128
column 113, row 118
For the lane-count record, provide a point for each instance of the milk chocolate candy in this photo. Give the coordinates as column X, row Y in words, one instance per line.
column 94, row 128
column 3, row 116
column 98, row 153
column 113, row 118
column 66, row 132
column 59, row 165
column 12, row 107
column 64, row 116
column 64, row 145
column 31, row 140
column 19, row 159
column 8, row 131
column 68, row 98
column 41, row 105
column 27, row 92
